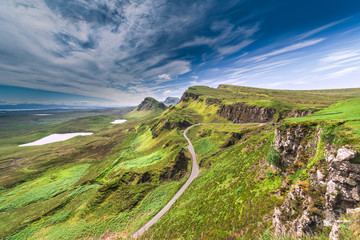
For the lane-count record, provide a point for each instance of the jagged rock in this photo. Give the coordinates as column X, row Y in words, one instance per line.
column 298, row 113
column 334, row 234
column 242, row 113
column 213, row 101
column 279, row 227
column 320, row 176
column 344, row 154
column 338, row 178
column 178, row 168
column 188, row 95
column 353, row 211
column 293, row 142
column 343, row 185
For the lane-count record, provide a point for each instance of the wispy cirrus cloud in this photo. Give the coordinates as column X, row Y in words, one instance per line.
column 290, row 48
column 126, row 50
column 105, row 48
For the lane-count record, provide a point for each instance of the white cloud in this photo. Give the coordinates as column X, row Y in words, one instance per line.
column 340, row 55
column 235, row 48
column 286, row 49
column 165, row 77
column 167, row 92
column 342, row 72
column 53, row 58
column 319, row 29
column 224, row 42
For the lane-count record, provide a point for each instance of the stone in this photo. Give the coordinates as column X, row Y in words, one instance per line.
column 344, row 154
column 353, row 211
column 320, row 176
column 334, row 234
column 340, row 176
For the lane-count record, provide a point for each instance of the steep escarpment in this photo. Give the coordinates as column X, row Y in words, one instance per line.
column 239, row 109
column 187, row 96
column 242, row 113
column 318, row 185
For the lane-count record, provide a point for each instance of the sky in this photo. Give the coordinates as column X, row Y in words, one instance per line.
column 113, row 52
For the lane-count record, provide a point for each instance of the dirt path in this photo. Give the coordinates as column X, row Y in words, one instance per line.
column 194, row 173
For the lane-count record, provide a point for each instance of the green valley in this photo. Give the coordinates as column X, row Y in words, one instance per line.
column 260, row 152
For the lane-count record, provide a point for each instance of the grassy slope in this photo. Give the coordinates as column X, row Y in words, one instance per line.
column 282, row 100
column 231, row 197
column 121, row 186
column 108, row 196
column 345, row 113
column 234, row 196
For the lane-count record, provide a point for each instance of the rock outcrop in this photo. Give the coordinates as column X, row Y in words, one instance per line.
column 188, row 96
column 329, row 189
column 177, row 169
column 298, row 113
column 213, row 101
column 343, row 184
column 149, row 104
column 243, row 113
column 295, row 143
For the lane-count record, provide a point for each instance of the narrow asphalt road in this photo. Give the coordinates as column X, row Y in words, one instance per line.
column 194, row 173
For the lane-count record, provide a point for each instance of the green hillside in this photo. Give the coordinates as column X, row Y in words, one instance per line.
column 281, row 100
column 298, row 98
column 107, row 185
column 148, row 107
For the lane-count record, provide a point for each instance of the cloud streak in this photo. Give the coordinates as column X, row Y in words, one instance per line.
column 127, row 50
column 286, row 49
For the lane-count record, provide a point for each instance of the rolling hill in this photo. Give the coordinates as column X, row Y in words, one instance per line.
column 107, row 185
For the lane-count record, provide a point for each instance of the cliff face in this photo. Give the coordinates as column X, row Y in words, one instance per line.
column 298, row 113
column 326, row 188
column 242, row 113
column 187, row 96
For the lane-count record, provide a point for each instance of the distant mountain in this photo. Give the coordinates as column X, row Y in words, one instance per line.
column 171, row 101
column 149, row 106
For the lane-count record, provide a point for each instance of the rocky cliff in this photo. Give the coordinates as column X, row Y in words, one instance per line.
column 319, row 185
column 187, row 96
column 241, row 113
column 298, row 113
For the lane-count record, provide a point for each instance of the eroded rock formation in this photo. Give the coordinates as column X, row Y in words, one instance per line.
column 242, row 113
column 329, row 188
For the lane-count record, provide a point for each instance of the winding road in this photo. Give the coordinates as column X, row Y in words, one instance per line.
column 194, row 173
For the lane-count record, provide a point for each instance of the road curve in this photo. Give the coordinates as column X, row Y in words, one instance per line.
column 194, row 173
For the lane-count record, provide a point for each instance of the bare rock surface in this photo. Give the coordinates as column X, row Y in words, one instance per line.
column 332, row 188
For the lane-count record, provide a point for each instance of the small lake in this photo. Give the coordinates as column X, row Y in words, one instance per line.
column 58, row 137
column 118, row 121
column 42, row 114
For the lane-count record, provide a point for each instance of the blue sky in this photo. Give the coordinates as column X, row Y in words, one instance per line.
column 106, row 52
